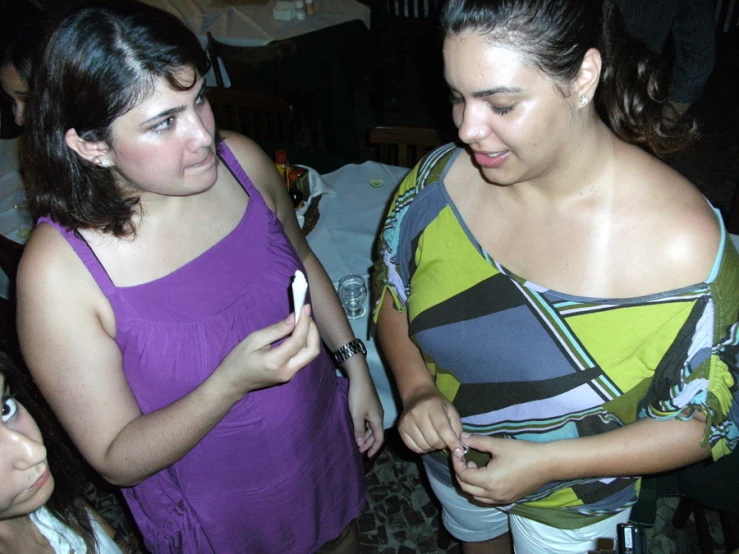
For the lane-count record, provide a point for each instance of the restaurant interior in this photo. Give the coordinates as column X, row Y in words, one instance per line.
column 362, row 81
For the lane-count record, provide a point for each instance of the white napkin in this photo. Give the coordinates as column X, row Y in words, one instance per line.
column 317, row 187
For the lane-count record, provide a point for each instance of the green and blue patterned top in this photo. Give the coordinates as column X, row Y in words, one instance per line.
column 521, row 361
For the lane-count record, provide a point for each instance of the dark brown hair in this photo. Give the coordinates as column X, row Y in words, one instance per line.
column 66, row 502
column 555, row 35
column 100, row 62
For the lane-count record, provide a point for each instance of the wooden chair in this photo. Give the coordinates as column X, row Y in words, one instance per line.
column 245, row 61
column 402, row 145
column 414, row 9
column 408, row 31
column 727, row 16
column 258, row 116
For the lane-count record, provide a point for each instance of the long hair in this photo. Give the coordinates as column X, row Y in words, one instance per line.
column 22, row 48
column 555, row 35
column 66, row 502
column 100, row 62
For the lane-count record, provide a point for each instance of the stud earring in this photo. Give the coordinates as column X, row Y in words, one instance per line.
column 103, row 162
column 584, row 99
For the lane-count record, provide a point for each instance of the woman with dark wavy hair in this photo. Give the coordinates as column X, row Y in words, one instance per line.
column 153, row 304
column 41, row 507
column 558, row 306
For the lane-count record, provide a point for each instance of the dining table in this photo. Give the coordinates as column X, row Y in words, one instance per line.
column 352, row 208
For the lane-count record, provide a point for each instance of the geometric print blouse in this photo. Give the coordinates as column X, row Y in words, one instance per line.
column 520, row 361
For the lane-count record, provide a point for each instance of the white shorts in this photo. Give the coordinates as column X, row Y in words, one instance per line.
column 469, row 521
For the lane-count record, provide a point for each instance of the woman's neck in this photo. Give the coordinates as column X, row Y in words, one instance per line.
column 585, row 170
column 19, row 535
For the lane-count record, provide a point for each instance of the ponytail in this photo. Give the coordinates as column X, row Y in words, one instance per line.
column 632, row 94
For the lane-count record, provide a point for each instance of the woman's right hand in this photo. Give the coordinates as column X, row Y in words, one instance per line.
column 430, row 422
column 255, row 364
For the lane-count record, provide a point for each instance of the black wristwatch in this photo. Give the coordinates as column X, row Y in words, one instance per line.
column 348, row 350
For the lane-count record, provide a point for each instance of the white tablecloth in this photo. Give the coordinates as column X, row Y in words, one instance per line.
column 242, row 25
column 343, row 240
column 14, row 224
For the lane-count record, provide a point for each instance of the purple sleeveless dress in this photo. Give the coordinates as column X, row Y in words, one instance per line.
column 281, row 472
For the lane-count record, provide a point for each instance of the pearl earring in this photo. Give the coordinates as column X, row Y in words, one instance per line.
column 584, row 99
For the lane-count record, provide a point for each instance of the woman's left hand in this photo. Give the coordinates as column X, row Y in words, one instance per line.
column 366, row 412
column 517, row 469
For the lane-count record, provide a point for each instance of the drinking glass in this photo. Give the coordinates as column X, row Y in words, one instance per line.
column 353, row 295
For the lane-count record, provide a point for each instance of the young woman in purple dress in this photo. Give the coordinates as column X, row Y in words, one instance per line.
column 154, row 307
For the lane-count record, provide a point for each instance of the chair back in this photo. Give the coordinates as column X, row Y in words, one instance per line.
column 727, row 16
column 402, row 145
column 245, row 60
column 413, row 9
column 258, row 116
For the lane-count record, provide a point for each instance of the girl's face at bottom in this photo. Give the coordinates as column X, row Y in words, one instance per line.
column 26, row 482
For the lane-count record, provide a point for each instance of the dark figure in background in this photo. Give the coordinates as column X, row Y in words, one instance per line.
column 691, row 26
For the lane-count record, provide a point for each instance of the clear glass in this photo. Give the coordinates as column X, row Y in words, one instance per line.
column 353, row 295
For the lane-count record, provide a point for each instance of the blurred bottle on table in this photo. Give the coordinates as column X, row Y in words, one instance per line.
column 300, row 9
column 293, row 179
column 310, row 7
column 283, row 166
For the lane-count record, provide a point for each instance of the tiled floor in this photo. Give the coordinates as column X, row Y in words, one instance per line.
column 401, row 517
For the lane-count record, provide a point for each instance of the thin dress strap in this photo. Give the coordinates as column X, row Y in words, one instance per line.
column 238, row 172
column 85, row 254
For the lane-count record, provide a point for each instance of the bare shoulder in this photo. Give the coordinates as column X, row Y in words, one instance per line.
column 47, row 259
column 685, row 232
column 257, row 165
column 53, row 282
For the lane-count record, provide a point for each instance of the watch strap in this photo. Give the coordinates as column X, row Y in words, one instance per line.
column 342, row 354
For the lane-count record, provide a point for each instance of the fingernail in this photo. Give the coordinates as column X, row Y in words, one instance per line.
column 289, row 319
column 465, row 435
column 458, row 452
column 360, row 440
